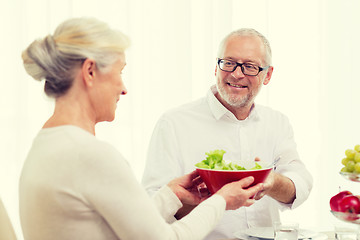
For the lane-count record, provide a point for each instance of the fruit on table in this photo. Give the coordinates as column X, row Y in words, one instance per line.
column 350, row 204
column 335, row 200
column 345, row 202
column 351, row 161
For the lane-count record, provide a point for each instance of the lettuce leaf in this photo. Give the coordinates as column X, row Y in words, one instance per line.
column 214, row 160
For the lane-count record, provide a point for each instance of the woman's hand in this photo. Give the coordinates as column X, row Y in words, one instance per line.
column 236, row 194
column 190, row 189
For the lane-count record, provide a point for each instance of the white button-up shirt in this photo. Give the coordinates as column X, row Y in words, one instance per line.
column 183, row 135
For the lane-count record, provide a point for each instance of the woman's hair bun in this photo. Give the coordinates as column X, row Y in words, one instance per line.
column 38, row 56
column 43, row 61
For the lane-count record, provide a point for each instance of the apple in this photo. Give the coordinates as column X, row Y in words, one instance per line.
column 350, row 204
column 335, row 200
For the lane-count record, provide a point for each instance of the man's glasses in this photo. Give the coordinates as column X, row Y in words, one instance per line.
column 247, row 68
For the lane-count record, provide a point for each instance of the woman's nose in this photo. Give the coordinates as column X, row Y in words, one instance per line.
column 124, row 90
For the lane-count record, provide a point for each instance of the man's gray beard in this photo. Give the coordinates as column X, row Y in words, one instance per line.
column 234, row 101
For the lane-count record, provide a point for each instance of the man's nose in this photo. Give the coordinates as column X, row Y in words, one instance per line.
column 237, row 73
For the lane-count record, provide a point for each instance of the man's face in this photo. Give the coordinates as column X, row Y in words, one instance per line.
column 237, row 90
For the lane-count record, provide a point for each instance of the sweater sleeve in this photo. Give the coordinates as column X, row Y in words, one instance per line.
column 200, row 221
column 167, row 203
column 110, row 188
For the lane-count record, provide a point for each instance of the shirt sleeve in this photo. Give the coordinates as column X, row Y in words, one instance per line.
column 110, row 188
column 163, row 158
column 291, row 166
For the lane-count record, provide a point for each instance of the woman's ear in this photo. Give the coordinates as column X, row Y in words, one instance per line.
column 88, row 72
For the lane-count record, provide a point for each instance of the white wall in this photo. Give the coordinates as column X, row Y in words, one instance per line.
column 315, row 47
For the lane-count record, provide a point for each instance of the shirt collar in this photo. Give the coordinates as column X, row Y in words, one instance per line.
column 218, row 110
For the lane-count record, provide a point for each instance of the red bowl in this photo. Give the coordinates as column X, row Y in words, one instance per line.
column 215, row 179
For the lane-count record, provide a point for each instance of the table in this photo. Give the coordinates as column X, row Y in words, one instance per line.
column 329, row 234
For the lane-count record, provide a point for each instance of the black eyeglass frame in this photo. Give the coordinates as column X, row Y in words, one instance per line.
column 241, row 66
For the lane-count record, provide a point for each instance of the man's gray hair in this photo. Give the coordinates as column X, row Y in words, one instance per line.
column 248, row 32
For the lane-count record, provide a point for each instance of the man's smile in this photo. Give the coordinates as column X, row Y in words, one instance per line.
column 236, row 85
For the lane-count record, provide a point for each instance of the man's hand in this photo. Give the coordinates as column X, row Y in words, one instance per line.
column 268, row 184
column 279, row 187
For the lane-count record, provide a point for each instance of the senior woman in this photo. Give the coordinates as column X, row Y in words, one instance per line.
column 74, row 186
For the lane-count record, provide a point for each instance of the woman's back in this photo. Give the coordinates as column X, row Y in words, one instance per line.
column 54, row 187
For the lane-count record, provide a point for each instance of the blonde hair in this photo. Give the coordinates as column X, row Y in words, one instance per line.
column 248, row 32
column 55, row 57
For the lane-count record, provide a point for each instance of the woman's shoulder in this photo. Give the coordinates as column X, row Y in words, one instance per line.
column 101, row 153
column 101, row 148
column 81, row 144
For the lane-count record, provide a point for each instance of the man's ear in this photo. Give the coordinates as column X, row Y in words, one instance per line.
column 216, row 67
column 88, row 72
column 268, row 75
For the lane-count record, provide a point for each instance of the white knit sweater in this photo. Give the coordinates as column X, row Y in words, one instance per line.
column 74, row 186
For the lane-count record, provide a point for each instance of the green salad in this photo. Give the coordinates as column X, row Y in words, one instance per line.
column 214, row 160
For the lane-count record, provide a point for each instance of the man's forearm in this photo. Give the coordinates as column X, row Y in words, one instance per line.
column 283, row 189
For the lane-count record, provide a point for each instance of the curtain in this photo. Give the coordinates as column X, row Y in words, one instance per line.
column 171, row 61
